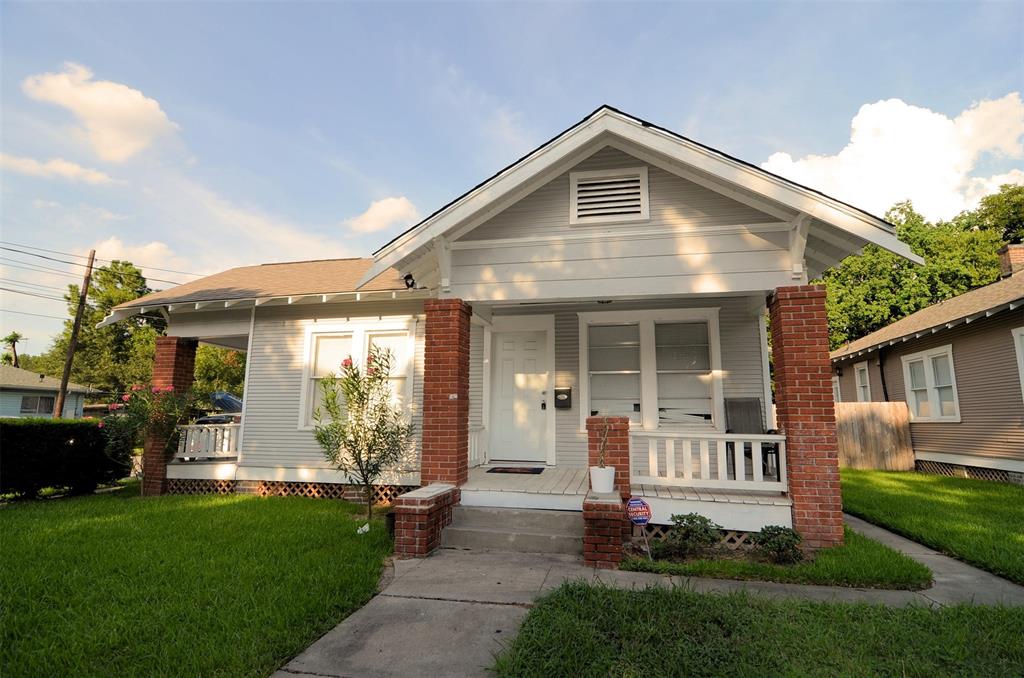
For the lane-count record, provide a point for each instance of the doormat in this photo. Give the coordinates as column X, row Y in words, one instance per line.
column 527, row 470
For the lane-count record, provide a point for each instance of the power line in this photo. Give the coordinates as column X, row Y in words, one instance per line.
column 75, row 263
column 82, row 256
column 31, row 294
column 38, row 315
column 31, row 284
column 39, row 268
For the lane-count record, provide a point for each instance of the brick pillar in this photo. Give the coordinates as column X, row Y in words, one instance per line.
column 445, row 440
column 617, row 451
column 173, row 365
column 604, row 527
column 806, row 412
column 420, row 516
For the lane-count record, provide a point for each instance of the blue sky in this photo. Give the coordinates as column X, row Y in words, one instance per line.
column 259, row 132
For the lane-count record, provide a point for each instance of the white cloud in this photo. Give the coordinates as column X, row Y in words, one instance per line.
column 117, row 120
column 383, row 214
column 57, row 167
column 145, row 256
column 898, row 152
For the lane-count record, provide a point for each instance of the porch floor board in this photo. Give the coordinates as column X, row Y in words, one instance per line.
column 731, row 496
column 557, row 481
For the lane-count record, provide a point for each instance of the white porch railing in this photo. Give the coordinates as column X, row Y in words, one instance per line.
column 208, row 441
column 695, row 459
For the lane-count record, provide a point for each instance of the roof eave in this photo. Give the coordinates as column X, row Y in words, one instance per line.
column 730, row 170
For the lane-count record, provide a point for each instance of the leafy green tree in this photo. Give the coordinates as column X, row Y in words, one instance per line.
column 1002, row 212
column 219, row 369
column 11, row 342
column 871, row 290
column 114, row 357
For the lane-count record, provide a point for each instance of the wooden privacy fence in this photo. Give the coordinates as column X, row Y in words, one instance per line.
column 874, row 435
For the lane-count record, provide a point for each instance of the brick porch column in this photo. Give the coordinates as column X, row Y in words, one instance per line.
column 617, row 451
column 445, row 437
column 173, row 365
column 806, row 412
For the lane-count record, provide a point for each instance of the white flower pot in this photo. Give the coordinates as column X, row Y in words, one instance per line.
column 602, row 480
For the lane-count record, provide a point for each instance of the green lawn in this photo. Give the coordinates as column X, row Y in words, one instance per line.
column 861, row 562
column 977, row 521
column 585, row 630
column 118, row 585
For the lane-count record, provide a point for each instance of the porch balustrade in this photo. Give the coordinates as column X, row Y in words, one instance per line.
column 208, row 441
column 708, row 460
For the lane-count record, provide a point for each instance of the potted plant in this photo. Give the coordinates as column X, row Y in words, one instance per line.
column 602, row 478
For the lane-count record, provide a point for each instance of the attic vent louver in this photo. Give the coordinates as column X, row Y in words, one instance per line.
column 601, row 196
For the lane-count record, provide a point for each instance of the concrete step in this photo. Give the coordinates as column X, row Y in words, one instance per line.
column 569, row 523
column 492, row 539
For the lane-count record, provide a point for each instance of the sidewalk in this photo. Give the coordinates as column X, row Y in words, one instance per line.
column 451, row 613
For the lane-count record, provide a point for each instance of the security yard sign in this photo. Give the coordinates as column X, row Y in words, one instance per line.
column 639, row 511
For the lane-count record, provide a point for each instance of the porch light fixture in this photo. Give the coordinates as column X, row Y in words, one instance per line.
column 410, row 282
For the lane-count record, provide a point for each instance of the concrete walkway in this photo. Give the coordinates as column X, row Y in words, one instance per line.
column 448, row 615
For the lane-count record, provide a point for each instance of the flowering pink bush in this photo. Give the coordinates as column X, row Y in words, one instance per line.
column 155, row 411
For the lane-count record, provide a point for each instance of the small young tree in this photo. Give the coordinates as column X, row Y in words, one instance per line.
column 361, row 429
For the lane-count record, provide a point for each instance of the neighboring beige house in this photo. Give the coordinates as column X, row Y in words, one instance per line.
column 959, row 366
column 619, row 271
column 29, row 394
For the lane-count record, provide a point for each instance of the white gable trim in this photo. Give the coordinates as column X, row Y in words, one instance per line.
column 705, row 166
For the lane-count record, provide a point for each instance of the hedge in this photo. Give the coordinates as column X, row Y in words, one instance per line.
column 65, row 453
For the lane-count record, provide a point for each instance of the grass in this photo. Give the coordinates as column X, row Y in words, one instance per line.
column 977, row 521
column 586, row 630
column 220, row 586
column 861, row 562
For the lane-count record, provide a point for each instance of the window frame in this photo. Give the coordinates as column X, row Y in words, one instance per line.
column 645, row 196
column 646, row 320
column 360, row 332
column 857, row 367
column 1017, row 333
column 837, row 390
column 39, row 399
column 926, row 357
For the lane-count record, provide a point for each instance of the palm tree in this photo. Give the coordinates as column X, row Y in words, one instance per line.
column 12, row 340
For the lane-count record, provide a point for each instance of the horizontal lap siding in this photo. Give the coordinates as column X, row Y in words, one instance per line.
column 741, row 362
column 988, row 390
column 274, row 386
column 667, row 254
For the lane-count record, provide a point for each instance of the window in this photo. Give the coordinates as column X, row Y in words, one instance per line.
column 603, row 196
column 860, row 372
column 656, row 367
column 1018, row 346
column 328, row 345
column 615, row 370
column 837, row 394
column 931, row 385
column 37, row 405
column 683, row 362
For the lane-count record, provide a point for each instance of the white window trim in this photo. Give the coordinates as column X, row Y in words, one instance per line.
column 645, row 199
column 358, row 330
column 1018, row 346
column 926, row 356
column 837, row 390
column 648, row 370
column 867, row 376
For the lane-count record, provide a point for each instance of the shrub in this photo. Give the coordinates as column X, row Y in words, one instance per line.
column 691, row 533
column 38, row 453
column 779, row 544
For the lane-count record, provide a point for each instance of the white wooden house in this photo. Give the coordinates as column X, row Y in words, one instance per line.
column 619, row 269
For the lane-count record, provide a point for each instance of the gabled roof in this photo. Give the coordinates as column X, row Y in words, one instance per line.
column 16, row 378
column 293, row 279
column 608, row 122
column 1004, row 294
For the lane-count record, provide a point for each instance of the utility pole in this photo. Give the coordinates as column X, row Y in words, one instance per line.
column 58, row 406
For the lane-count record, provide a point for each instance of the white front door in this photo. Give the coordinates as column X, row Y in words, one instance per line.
column 519, row 397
